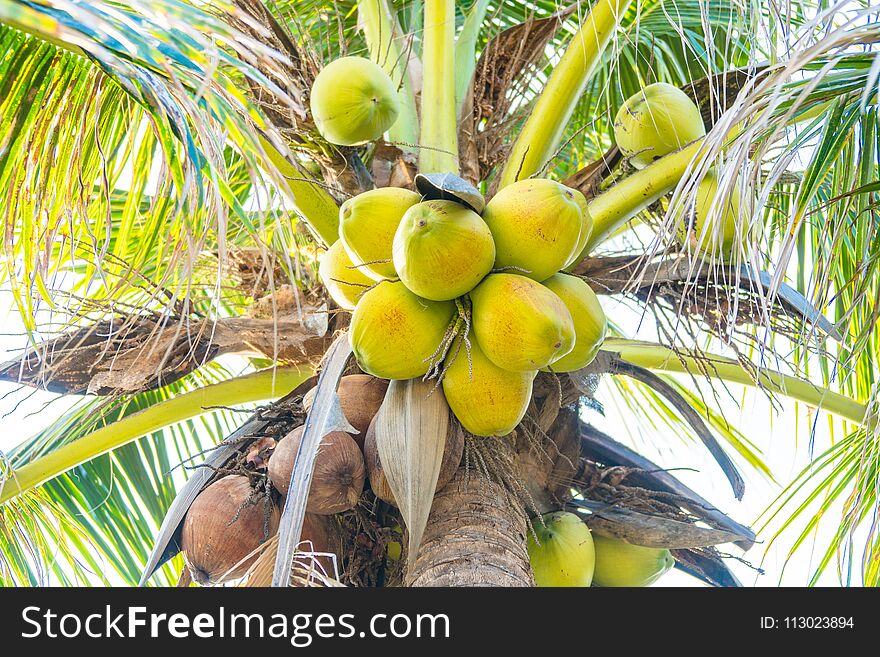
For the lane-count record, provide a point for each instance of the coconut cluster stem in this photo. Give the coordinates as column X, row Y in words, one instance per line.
column 266, row 384
column 383, row 35
column 543, row 131
column 313, row 202
column 439, row 138
column 618, row 204
column 466, row 51
column 657, row 357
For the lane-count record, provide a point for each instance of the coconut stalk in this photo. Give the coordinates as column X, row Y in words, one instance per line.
column 618, row 204
column 543, row 130
column 657, row 357
column 382, row 32
column 259, row 386
column 312, row 202
column 439, row 140
column 466, row 51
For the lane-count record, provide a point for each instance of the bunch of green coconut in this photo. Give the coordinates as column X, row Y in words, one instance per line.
column 445, row 286
column 563, row 552
column 474, row 295
column 474, row 299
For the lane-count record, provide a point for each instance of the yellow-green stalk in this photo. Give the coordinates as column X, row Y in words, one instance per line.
column 314, row 204
column 542, row 132
column 439, row 140
column 382, row 33
column 466, row 51
column 259, row 386
column 624, row 200
column 657, row 357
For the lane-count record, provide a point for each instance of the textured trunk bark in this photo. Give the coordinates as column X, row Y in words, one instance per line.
column 476, row 536
column 477, row 530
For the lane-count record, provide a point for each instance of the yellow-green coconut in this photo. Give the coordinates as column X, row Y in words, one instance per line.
column 394, row 333
column 622, row 564
column 442, row 250
column 353, row 101
column 367, row 224
column 343, row 281
column 654, row 122
column 519, row 324
column 537, row 225
column 590, row 323
column 563, row 553
column 486, row 399
column 721, row 234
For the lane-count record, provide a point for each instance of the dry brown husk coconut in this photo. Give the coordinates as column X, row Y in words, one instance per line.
column 337, row 478
column 452, row 454
column 360, row 396
column 224, row 525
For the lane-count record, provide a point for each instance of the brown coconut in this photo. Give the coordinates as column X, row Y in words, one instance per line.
column 360, row 396
column 337, row 478
column 452, row 453
column 222, row 527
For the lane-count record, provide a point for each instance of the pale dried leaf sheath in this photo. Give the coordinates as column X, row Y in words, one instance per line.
column 324, row 416
column 411, row 431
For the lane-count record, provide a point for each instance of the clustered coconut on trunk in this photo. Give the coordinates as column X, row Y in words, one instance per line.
column 226, row 523
column 471, row 301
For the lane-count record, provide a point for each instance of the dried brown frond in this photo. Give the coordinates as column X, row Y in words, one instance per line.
column 127, row 352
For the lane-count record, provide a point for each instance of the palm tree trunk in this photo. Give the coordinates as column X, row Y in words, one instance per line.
column 476, row 536
column 479, row 522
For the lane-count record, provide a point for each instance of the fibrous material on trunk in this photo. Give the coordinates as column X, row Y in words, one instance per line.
column 472, row 537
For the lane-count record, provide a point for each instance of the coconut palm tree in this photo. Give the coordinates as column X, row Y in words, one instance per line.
column 167, row 195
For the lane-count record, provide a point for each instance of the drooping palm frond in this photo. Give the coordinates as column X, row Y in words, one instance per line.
column 805, row 148
column 106, row 510
column 125, row 103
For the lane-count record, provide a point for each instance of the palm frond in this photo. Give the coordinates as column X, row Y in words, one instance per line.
column 114, row 100
column 106, row 511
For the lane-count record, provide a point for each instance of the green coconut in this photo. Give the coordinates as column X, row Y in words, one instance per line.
column 367, row 224
column 353, row 101
column 537, row 225
column 563, row 553
column 486, row 399
column 442, row 250
column 590, row 323
column 623, row 564
column 394, row 333
column 343, row 281
column 656, row 121
column 519, row 324
column 722, row 234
